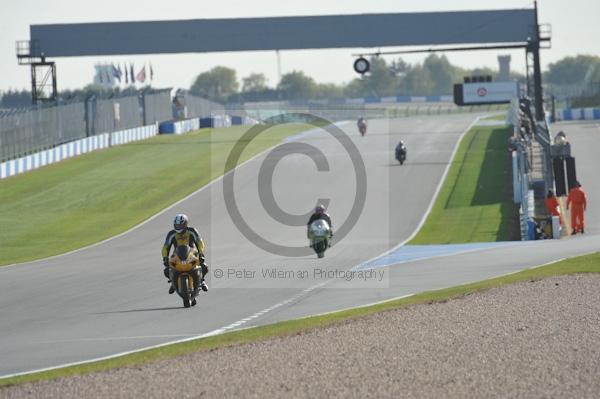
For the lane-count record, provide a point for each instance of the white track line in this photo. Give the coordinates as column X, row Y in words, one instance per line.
column 191, row 338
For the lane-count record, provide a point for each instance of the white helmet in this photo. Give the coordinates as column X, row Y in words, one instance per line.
column 180, row 223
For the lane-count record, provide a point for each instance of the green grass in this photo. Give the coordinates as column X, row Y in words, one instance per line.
column 83, row 200
column 475, row 202
column 500, row 117
column 582, row 264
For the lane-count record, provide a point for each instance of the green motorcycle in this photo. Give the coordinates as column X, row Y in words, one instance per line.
column 319, row 234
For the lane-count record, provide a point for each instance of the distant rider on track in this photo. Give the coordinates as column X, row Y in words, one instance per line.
column 184, row 235
column 401, row 148
column 362, row 125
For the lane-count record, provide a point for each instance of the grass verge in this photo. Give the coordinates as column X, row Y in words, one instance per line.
column 83, row 200
column 475, row 202
column 583, row 264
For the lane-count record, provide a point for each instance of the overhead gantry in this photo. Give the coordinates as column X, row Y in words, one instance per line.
column 500, row 28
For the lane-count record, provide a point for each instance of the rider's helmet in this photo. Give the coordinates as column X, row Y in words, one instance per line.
column 319, row 209
column 180, row 223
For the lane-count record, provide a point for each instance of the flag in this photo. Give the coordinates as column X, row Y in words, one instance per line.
column 141, row 76
column 115, row 73
column 151, row 73
column 131, row 75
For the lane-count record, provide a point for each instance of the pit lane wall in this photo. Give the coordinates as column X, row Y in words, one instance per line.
column 521, row 146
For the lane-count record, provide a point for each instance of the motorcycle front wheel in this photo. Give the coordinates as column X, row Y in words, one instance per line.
column 183, row 287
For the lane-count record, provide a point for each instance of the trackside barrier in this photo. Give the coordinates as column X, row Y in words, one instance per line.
column 377, row 100
column 179, row 127
column 74, row 148
column 185, row 126
column 522, row 195
column 221, row 121
column 242, row 120
column 578, row 114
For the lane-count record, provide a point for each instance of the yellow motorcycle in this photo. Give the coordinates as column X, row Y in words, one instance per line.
column 184, row 272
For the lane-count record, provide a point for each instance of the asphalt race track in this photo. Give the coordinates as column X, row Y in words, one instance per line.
column 112, row 297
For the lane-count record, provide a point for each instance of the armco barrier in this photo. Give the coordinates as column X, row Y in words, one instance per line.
column 242, row 120
column 185, row 126
column 578, row 114
column 216, row 121
column 188, row 125
column 179, row 127
column 73, row 149
column 388, row 100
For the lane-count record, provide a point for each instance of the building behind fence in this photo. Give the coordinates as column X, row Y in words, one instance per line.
column 26, row 131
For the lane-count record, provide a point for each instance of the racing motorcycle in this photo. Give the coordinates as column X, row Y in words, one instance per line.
column 319, row 234
column 362, row 126
column 184, row 271
column 401, row 154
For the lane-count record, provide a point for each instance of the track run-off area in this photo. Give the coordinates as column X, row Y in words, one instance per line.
column 111, row 298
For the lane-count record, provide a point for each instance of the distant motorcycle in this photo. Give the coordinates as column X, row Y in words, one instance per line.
column 319, row 234
column 184, row 271
column 362, row 126
column 401, row 154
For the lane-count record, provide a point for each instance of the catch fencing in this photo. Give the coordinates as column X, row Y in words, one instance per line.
column 187, row 105
column 31, row 130
column 25, row 131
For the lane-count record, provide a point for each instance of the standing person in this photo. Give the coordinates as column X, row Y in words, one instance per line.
column 553, row 206
column 577, row 200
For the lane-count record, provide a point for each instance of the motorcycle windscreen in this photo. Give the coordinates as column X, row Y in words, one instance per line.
column 319, row 228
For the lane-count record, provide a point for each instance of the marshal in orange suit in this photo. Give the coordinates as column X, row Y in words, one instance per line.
column 553, row 206
column 577, row 201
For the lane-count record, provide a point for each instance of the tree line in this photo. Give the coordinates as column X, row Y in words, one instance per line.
column 434, row 76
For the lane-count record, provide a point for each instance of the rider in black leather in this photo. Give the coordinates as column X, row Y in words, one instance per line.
column 401, row 148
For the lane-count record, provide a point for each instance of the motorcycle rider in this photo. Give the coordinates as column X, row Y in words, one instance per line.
column 401, row 148
column 184, row 235
column 320, row 214
column 361, row 123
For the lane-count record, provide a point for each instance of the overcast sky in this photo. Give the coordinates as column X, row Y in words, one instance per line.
column 575, row 30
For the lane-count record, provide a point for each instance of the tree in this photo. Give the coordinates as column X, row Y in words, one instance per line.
column 217, row 84
column 417, row 82
column 15, row 99
column 254, row 82
column 297, row 86
column 381, row 80
column 581, row 69
column 442, row 73
column 329, row 90
column 399, row 67
column 355, row 88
